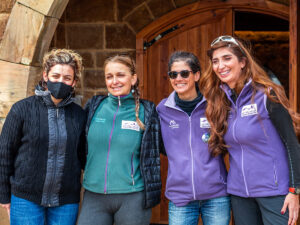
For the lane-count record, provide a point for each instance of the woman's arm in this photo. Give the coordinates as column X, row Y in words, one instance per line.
column 10, row 139
column 282, row 121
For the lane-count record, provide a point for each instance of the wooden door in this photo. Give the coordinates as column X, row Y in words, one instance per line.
column 194, row 34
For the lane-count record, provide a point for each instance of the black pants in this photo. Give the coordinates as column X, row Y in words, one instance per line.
column 259, row 211
column 109, row 209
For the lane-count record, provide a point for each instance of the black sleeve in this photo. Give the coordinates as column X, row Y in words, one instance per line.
column 283, row 123
column 82, row 146
column 10, row 140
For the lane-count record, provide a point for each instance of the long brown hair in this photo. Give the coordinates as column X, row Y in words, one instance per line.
column 128, row 62
column 218, row 105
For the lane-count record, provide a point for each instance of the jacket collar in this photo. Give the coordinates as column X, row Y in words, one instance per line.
column 46, row 98
column 170, row 102
column 228, row 91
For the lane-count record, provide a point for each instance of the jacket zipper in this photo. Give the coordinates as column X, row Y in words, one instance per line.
column 55, row 155
column 233, row 133
column 132, row 169
column 192, row 157
column 109, row 142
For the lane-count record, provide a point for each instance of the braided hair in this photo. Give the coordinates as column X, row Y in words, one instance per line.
column 128, row 62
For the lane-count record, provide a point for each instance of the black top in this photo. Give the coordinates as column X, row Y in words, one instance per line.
column 30, row 166
column 188, row 106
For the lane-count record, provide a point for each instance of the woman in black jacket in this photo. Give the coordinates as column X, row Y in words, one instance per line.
column 42, row 148
column 122, row 174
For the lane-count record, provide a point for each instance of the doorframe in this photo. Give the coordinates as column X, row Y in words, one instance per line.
column 258, row 6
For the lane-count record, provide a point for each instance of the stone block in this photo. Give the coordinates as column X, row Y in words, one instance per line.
column 60, row 36
column 53, row 8
column 160, row 7
column 119, row 36
column 13, row 84
column 87, row 59
column 88, row 36
column 102, row 56
column 30, row 36
column 180, row 3
column 93, row 79
column 139, row 18
column 124, row 7
column 6, row 5
column 3, row 22
column 90, row 11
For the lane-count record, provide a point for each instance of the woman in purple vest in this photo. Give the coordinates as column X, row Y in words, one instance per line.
column 250, row 117
column 196, row 182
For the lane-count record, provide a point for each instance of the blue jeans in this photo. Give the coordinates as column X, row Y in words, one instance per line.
column 215, row 211
column 23, row 212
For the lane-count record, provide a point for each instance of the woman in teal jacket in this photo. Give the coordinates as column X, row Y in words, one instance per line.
column 122, row 175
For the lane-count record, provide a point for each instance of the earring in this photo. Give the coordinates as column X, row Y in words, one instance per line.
column 132, row 89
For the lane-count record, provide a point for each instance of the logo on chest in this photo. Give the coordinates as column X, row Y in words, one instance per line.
column 204, row 122
column 130, row 125
column 173, row 124
column 249, row 110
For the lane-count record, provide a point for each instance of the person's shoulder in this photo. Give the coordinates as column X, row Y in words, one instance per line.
column 25, row 101
column 147, row 103
column 162, row 103
column 95, row 99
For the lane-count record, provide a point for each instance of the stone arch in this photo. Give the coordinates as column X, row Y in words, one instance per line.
column 27, row 36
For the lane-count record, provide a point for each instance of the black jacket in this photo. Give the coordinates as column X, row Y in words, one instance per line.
column 150, row 146
column 42, row 151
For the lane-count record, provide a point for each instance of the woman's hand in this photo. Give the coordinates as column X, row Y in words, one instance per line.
column 292, row 203
column 7, row 207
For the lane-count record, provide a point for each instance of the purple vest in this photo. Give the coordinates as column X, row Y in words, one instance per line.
column 258, row 158
column 193, row 174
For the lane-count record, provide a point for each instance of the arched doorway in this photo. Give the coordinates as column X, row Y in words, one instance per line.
column 191, row 28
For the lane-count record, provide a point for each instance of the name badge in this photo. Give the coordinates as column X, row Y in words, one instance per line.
column 204, row 122
column 249, row 110
column 130, row 125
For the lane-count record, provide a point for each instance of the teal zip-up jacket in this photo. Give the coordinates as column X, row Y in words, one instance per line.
column 114, row 140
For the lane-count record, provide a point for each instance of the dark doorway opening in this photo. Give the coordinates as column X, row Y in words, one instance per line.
column 269, row 38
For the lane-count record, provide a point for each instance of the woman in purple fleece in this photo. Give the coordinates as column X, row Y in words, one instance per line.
column 196, row 182
column 250, row 116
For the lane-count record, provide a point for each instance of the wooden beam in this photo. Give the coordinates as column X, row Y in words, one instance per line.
column 294, row 70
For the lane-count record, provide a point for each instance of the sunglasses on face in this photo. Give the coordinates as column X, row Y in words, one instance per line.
column 183, row 74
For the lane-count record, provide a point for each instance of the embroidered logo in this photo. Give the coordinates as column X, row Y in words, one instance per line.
column 204, row 123
column 249, row 110
column 173, row 124
column 130, row 125
column 100, row 120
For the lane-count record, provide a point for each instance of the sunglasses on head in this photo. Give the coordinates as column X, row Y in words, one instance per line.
column 183, row 74
column 227, row 38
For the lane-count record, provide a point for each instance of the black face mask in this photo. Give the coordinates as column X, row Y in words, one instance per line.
column 59, row 90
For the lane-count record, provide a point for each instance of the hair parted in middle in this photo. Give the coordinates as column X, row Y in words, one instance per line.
column 189, row 58
column 218, row 105
column 127, row 61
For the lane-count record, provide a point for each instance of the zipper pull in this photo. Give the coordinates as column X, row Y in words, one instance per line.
column 57, row 112
column 119, row 100
column 132, row 179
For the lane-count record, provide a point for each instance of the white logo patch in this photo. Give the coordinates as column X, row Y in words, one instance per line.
column 204, row 123
column 100, row 120
column 249, row 110
column 173, row 124
column 130, row 125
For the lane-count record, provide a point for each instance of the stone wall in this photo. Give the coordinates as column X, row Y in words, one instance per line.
column 98, row 29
